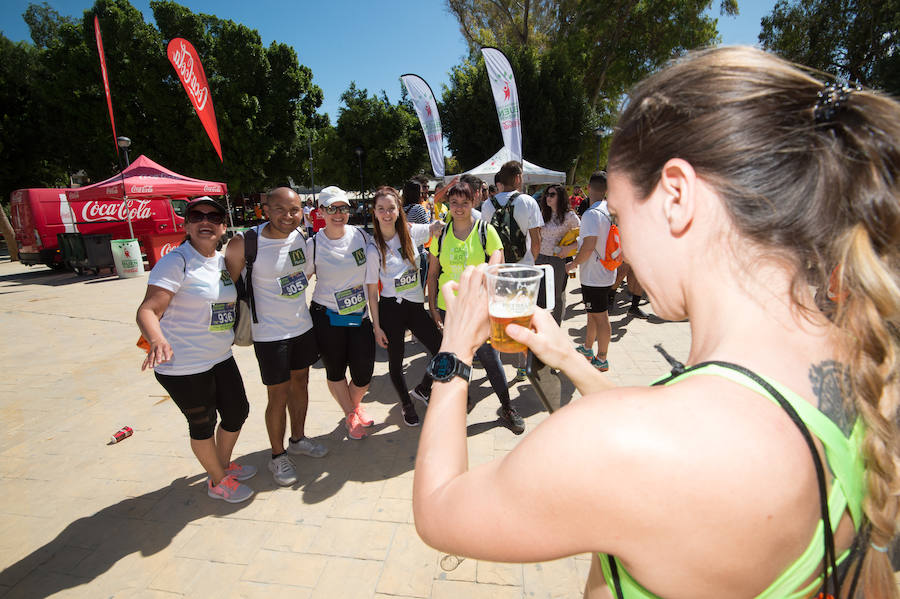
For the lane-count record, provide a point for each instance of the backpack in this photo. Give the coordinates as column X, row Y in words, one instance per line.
column 612, row 256
column 511, row 236
column 243, row 332
column 482, row 235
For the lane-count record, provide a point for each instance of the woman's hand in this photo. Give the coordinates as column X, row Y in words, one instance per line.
column 160, row 351
column 380, row 337
column 468, row 325
column 548, row 342
column 436, row 227
column 436, row 317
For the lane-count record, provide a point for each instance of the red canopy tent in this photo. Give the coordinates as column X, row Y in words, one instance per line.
column 143, row 178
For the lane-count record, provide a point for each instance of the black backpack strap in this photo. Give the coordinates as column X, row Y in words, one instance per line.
column 614, row 574
column 482, row 234
column 251, row 244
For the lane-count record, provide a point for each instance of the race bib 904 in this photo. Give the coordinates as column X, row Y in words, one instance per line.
column 293, row 284
column 222, row 317
column 408, row 280
column 350, row 300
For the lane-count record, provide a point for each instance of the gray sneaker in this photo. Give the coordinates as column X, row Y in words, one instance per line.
column 229, row 489
column 282, row 470
column 307, row 447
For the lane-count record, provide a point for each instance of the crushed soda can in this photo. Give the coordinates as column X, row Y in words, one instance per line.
column 121, row 434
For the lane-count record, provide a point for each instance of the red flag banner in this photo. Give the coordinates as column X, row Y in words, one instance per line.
column 187, row 64
column 105, row 80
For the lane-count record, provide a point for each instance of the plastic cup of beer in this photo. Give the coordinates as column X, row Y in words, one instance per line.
column 512, row 295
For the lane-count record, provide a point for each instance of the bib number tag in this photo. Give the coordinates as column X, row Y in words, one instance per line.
column 294, row 284
column 408, row 280
column 350, row 300
column 222, row 316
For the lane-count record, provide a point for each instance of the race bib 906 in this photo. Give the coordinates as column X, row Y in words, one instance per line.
column 222, row 317
column 350, row 300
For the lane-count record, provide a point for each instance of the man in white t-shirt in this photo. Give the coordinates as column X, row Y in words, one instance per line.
column 283, row 339
column 596, row 279
column 526, row 211
column 307, row 220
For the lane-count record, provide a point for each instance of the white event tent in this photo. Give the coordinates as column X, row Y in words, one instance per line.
column 533, row 174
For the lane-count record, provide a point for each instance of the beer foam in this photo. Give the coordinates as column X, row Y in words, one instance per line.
column 510, row 309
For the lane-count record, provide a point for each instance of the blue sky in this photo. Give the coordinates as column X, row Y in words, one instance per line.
column 372, row 43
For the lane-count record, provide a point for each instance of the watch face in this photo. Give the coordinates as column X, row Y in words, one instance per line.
column 442, row 366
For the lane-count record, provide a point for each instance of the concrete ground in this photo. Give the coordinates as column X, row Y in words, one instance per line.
column 81, row 518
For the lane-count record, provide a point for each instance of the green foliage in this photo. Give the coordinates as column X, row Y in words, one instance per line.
column 857, row 40
column 389, row 135
column 264, row 98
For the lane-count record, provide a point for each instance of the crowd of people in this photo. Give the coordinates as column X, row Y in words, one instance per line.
column 754, row 200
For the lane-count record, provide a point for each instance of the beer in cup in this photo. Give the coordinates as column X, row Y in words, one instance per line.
column 512, row 295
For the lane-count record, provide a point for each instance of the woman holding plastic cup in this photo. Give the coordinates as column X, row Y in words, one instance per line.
column 467, row 242
column 746, row 189
column 187, row 317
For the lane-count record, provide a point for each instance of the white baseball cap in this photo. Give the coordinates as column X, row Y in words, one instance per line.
column 332, row 195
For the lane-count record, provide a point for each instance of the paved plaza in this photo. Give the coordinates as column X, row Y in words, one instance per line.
column 81, row 518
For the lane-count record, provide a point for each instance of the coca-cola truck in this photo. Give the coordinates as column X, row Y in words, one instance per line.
column 39, row 214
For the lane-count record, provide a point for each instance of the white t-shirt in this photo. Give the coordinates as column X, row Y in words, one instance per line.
column 281, row 274
column 398, row 277
column 595, row 223
column 199, row 321
column 527, row 213
column 342, row 267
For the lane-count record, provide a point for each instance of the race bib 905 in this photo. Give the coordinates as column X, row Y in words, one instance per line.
column 293, row 284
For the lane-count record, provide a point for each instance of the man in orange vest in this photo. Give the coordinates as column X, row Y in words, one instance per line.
column 596, row 280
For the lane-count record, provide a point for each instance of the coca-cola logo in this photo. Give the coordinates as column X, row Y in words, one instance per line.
column 73, row 195
column 167, row 248
column 141, row 189
column 96, row 211
column 212, row 188
column 111, row 191
column 184, row 62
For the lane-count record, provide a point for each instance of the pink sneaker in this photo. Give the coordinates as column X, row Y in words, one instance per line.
column 229, row 489
column 355, row 429
column 363, row 417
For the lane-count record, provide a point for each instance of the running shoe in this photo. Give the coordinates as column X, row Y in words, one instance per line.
column 229, row 489
column 520, row 375
column 637, row 312
column 587, row 353
column 363, row 417
column 421, row 394
column 307, row 447
column 511, row 418
column 282, row 470
column 410, row 418
column 601, row 365
column 240, row 472
column 355, row 428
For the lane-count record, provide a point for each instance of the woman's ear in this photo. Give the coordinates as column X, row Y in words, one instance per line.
column 678, row 186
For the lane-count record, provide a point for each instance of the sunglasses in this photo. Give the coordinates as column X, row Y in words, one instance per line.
column 551, row 194
column 216, row 218
column 336, row 209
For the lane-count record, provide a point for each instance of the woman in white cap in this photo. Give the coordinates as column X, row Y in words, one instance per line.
column 187, row 317
column 344, row 259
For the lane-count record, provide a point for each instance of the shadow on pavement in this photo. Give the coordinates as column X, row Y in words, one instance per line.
column 54, row 278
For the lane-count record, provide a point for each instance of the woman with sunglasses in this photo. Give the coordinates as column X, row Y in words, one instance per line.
column 401, row 304
column 187, row 317
column 558, row 220
column 344, row 260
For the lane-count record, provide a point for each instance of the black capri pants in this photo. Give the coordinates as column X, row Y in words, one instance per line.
column 343, row 347
column 397, row 318
column 199, row 396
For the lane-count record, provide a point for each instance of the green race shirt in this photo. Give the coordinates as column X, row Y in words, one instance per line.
column 456, row 254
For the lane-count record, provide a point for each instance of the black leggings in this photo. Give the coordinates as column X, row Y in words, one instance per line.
column 490, row 360
column 560, row 280
column 343, row 347
column 199, row 396
column 397, row 318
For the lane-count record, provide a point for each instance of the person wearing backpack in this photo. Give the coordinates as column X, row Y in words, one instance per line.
column 464, row 242
column 278, row 267
column 596, row 278
column 515, row 215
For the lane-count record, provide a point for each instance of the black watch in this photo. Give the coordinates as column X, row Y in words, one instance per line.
column 445, row 365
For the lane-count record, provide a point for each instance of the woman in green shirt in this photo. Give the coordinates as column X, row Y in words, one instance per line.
column 468, row 242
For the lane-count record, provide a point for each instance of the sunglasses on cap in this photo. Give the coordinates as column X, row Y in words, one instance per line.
column 216, row 218
column 336, row 209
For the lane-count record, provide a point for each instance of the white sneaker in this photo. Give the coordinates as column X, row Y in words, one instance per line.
column 307, row 447
column 282, row 470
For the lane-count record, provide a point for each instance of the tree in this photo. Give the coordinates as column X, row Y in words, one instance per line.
column 389, row 136
column 857, row 40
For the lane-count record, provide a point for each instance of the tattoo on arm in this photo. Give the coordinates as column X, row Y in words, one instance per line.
column 830, row 380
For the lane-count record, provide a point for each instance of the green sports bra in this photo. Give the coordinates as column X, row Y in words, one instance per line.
column 843, row 456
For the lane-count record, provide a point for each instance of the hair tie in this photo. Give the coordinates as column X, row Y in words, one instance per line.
column 879, row 548
column 830, row 99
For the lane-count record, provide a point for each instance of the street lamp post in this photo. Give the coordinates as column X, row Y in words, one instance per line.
column 599, row 133
column 359, row 154
column 125, row 143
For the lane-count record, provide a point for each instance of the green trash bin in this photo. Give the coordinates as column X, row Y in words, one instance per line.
column 74, row 255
